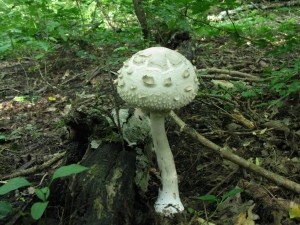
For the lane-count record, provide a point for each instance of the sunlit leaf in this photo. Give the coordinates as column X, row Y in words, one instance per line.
column 19, row 98
column 294, row 212
column 50, row 98
column 257, row 161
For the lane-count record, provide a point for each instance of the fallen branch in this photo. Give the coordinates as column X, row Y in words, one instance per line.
column 281, row 4
column 36, row 168
column 227, row 77
column 229, row 72
column 225, row 14
column 227, row 154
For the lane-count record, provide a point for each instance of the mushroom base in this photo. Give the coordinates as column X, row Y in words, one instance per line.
column 168, row 204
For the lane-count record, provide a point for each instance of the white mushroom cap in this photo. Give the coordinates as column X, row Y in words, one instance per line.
column 157, row 79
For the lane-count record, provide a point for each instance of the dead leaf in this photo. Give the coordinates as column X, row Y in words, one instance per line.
column 95, row 144
column 239, row 117
column 203, row 221
column 51, row 109
column 278, row 125
column 67, row 110
column 223, row 83
column 241, row 219
column 246, row 219
column 67, row 74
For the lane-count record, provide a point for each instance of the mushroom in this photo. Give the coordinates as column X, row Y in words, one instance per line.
column 163, row 80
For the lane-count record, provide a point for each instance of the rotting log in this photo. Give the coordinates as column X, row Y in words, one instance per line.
column 105, row 194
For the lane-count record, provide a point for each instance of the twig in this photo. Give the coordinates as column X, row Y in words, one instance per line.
column 227, row 77
column 36, row 168
column 45, row 80
column 233, row 24
column 71, row 79
column 227, row 154
column 229, row 72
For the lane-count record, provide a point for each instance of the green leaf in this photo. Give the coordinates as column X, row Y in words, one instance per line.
column 208, row 198
column 294, row 87
column 294, row 212
column 68, row 170
column 42, row 193
column 53, row 39
column 278, row 86
column 19, row 98
column 4, row 47
column 39, row 56
column 38, row 209
column 232, row 193
column 249, row 94
column 191, row 210
column 14, row 184
column 5, row 209
column 43, row 45
column 121, row 49
column 3, row 137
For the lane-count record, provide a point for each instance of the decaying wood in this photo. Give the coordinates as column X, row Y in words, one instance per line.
column 227, row 154
column 105, row 194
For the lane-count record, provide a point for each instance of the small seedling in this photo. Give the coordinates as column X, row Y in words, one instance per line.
column 38, row 208
column 220, row 200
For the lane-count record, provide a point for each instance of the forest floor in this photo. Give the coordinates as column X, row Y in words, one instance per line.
column 35, row 99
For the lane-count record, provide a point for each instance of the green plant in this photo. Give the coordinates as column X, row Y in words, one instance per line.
column 215, row 199
column 219, row 200
column 279, row 84
column 284, row 81
column 38, row 208
column 39, row 27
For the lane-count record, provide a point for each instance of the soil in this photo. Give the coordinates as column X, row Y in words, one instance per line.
column 37, row 98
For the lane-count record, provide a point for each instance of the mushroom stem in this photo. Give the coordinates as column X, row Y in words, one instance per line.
column 168, row 201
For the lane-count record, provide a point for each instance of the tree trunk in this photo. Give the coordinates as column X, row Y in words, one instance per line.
column 105, row 194
column 141, row 16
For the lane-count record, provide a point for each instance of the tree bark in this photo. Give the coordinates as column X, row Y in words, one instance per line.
column 141, row 16
column 105, row 194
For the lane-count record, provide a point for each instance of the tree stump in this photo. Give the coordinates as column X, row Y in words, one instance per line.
column 105, row 194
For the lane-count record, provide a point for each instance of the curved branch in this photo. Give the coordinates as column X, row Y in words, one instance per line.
column 227, row 154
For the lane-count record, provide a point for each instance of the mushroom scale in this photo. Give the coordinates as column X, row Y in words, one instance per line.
column 163, row 80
